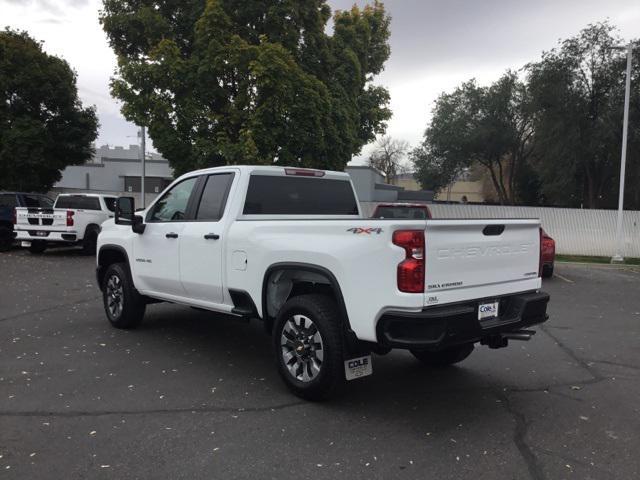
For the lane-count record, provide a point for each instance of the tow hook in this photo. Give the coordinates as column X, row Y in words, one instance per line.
column 501, row 340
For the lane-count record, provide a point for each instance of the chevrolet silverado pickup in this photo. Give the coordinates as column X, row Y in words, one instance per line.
column 8, row 203
column 289, row 247
column 74, row 219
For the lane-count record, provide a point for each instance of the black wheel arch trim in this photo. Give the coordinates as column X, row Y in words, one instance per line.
column 100, row 268
column 335, row 287
column 92, row 227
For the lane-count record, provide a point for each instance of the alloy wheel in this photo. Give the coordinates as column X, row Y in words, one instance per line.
column 302, row 348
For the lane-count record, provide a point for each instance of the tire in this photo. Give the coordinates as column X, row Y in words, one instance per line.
column 38, row 247
column 446, row 357
column 311, row 364
column 90, row 241
column 6, row 239
column 547, row 271
column 123, row 305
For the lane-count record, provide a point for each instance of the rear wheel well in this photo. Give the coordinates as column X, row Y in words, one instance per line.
column 283, row 282
column 109, row 256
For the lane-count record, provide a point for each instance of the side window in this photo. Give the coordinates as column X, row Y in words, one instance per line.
column 8, row 200
column 110, row 203
column 214, row 197
column 172, row 207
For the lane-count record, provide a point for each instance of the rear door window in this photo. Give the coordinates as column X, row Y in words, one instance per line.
column 214, row 197
column 275, row 195
column 78, row 202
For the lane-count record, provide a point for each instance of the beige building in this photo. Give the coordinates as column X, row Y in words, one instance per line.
column 457, row 192
column 462, row 191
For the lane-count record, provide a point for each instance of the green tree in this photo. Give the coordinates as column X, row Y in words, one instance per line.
column 43, row 126
column 577, row 92
column 489, row 126
column 250, row 81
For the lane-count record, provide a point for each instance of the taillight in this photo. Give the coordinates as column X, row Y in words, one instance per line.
column 411, row 269
column 14, row 216
column 70, row 214
column 540, row 259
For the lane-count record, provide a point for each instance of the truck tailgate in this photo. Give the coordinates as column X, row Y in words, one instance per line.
column 40, row 219
column 472, row 259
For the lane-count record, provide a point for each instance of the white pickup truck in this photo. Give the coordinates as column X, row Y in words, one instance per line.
column 74, row 219
column 288, row 246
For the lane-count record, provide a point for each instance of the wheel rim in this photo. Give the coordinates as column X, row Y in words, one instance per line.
column 302, row 348
column 115, row 296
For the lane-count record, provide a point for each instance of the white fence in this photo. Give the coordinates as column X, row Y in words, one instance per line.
column 576, row 231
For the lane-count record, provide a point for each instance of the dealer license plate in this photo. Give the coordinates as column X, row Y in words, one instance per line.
column 358, row 367
column 487, row 311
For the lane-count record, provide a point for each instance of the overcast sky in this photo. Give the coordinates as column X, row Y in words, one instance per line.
column 435, row 45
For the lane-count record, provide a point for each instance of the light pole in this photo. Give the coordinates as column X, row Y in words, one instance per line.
column 143, row 158
column 619, row 255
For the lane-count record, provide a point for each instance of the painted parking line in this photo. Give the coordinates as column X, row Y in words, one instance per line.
column 568, row 280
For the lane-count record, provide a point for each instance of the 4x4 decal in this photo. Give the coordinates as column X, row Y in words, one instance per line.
column 366, row 231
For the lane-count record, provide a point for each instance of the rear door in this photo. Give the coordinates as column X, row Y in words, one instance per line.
column 201, row 244
column 468, row 259
column 156, row 252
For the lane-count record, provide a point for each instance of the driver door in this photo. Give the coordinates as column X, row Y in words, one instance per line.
column 156, row 252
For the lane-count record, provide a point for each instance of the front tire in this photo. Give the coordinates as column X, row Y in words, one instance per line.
column 446, row 357
column 307, row 341
column 38, row 247
column 123, row 305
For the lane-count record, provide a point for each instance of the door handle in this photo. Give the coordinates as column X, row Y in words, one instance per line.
column 171, row 235
column 212, row 236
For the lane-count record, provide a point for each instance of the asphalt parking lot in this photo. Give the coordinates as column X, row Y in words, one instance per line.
column 189, row 395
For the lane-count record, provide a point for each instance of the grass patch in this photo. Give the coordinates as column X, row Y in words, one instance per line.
column 588, row 259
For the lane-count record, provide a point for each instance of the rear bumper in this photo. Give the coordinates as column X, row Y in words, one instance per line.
column 435, row 328
column 49, row 236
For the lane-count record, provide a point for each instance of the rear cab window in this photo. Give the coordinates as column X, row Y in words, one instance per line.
column 78, row 202
column 297, row 195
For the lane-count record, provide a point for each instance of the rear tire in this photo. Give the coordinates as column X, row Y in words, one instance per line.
column 446, row 357
column 89, row 242
column 123, row 304
column 307, row 341
column 6, row 239
column 547, row 271
column 37, row 247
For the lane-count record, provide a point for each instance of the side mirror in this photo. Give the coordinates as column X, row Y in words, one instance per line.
column 125, row 206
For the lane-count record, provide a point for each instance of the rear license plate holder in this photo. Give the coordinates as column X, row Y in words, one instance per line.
column 488, row 311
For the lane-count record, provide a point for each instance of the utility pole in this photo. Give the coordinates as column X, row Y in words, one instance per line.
column 143, row 155
column 619, row 255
